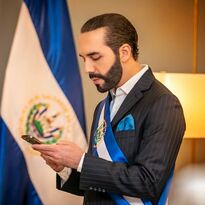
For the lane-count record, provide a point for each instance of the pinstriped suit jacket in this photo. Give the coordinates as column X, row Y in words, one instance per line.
column 151, row 149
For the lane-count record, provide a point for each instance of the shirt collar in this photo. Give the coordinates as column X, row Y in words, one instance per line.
column 127, row 86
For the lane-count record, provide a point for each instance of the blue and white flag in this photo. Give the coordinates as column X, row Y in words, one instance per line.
column 42, row 96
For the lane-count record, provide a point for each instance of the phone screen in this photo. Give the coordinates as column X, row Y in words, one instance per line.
column 31, row 139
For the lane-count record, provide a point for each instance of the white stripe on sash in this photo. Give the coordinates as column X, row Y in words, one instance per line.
column 104, row 154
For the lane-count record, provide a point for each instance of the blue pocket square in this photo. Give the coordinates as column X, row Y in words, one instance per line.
column 127, row 123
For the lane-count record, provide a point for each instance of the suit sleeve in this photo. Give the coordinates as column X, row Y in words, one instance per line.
column 163, row 132
column 73, row 182
column 71, row 185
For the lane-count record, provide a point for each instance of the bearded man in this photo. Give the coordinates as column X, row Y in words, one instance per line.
column 136, row 132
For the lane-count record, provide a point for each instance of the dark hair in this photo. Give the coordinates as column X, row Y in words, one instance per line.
column 118, row 31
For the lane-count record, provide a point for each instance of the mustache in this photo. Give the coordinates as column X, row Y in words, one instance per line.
column 96, row 75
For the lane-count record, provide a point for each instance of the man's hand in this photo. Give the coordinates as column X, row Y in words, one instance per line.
column 58, row 156
column 54, row 166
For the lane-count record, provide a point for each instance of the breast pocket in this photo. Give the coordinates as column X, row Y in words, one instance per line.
column 128, row 143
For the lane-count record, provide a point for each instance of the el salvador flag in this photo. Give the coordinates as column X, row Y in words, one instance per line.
column 42, row 96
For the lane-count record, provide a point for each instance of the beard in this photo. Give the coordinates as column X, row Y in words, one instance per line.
column 111, row 78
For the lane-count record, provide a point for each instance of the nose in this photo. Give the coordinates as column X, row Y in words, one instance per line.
column 88, row 66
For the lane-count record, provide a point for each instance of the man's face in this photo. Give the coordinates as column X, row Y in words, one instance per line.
column 102, row 65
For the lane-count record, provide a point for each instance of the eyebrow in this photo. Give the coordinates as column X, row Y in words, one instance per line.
column 90, row 54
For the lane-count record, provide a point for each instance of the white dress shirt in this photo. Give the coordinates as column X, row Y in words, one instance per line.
column 117, row 99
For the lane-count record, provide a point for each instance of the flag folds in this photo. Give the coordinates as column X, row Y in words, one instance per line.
column 42, row 96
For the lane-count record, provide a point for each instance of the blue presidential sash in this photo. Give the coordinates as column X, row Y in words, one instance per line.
column 106, row 147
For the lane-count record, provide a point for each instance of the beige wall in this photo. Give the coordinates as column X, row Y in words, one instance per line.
column 201, row 42
column 165, row 31
column 8, row 18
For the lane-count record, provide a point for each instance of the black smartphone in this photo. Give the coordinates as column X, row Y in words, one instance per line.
column 31, row 139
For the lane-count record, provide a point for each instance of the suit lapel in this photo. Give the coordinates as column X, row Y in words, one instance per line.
column 134, row 95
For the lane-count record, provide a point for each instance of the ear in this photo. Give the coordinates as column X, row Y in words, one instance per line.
column 125, row 52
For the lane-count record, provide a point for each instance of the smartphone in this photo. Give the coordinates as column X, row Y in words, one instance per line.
column 31, row 139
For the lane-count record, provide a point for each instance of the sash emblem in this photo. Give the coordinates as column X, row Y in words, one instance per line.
column 99, row 133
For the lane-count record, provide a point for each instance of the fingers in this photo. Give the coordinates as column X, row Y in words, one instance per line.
column 44, row 147
column 49, row 150
column 50, row 161
column 47, row 158
column 56, row 167
column 65, row 153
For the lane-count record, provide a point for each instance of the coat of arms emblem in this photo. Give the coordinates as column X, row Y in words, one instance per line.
column 46, row 118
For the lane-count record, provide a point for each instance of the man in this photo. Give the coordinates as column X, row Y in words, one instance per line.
column 136, row 132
